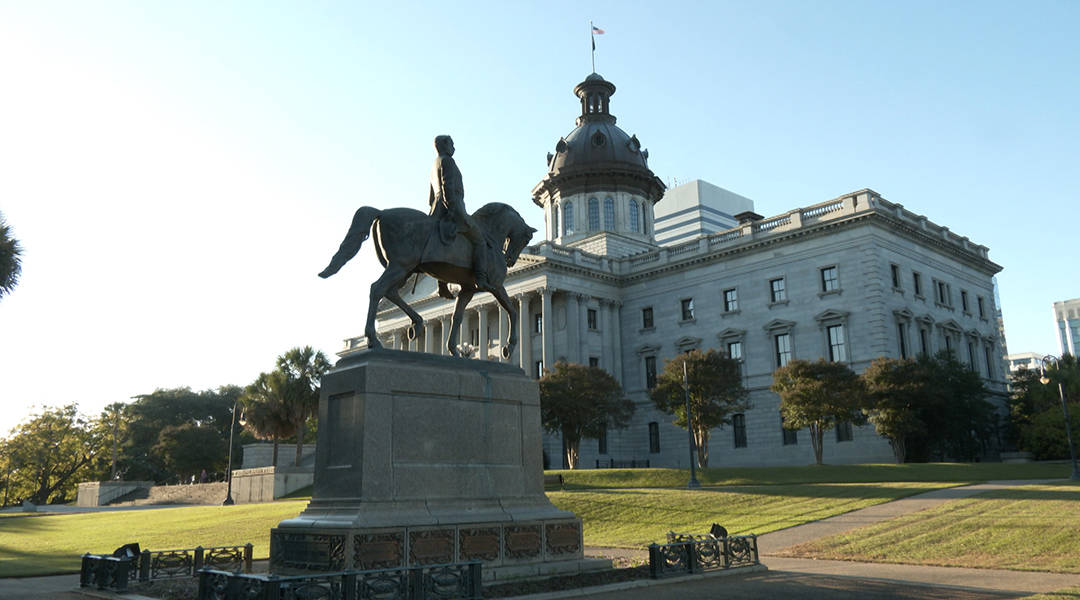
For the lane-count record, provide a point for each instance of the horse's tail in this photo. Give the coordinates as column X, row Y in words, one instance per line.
column 358, row 232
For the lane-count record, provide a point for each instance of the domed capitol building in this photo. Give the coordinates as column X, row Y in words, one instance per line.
column 629, row 274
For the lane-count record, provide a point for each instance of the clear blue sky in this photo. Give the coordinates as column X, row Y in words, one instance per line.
column 179, row 172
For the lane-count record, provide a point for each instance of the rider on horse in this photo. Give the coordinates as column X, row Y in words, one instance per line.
column 446, row 198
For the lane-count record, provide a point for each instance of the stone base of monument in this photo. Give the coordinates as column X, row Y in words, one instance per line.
column 425, row 459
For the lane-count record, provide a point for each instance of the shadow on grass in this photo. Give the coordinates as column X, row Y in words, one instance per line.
column 821, row 490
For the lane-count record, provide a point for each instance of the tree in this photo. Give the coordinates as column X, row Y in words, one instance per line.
column 580, row 401
column 958, row 421
column 266, row 411
column 303, row 368
column 188, row 449
column 894, row 391
column 818, row 395
column 10, row 259
column 716, row 390
column 150, row 414
column 1037, row 423
column 48, row 454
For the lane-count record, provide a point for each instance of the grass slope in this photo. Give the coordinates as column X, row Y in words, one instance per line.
column 635, row 518
column 52, row 543
column 883, row 473
column 1029, row 528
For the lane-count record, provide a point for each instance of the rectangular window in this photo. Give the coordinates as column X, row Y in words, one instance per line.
column 844, row 432
column 971, row 356
column 734, row 350
column 601, row 440
column 837, row 348
column 948, row 343
column 646, row 317
column 594, row 361
column 731, row 300
column 475, row 341
column 989, row 363
column 901, row 334
column 964, row 301
column 594, row 214
column 776, row 290
column 916, row 283
column 538, row 323
column 895, row 275
column 783, row 349
column 654, row 438
column 650, row 372
column 791, row 436
column 942, row 291
column 609, row 214
column 738, row 425
column 687, row 306
column 924, row 343
column 590, row 317
column 829, row 280
column 538, row 369
column 982, row 307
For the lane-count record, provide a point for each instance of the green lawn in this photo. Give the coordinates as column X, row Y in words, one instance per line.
column 883, row 473
column 634, row 518
column 1072, row 593
column 1029, row 528
column 44, row 544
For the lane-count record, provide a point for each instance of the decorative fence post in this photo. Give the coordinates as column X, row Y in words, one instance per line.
column 198, row 560
column 247, row 557
column 86, row 573
column 348, row 584
column 692, row 558
column 476, row 585
column 144, row 566
column 416, row 585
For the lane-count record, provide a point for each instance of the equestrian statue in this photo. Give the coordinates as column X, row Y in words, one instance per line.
column 473, row 251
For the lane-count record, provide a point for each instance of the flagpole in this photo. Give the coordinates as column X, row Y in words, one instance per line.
column 592, row 36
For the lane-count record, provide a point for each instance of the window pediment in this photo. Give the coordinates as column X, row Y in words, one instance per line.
column 952, row 325
column 904, row 314
column 925, row 319
column 831, row 315
column 779, row 325
column 688, row 343
column 730, row 333
column 648, row 349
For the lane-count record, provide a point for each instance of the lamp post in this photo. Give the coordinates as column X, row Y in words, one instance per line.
column 693, row 484
column 1064, row 409
column 228, row 473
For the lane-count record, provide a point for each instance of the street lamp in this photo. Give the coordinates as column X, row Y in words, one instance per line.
column 693, row 484
column 1064, row 408
column 228, row 473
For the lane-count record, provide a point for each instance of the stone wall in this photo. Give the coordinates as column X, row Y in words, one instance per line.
column 267, row 483
column 100, row 493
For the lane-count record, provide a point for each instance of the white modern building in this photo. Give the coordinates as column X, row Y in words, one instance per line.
column 1025, row 360
column 623, row 284
column 1067, row 318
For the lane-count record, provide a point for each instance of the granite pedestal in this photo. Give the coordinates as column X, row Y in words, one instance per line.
column 426, row 459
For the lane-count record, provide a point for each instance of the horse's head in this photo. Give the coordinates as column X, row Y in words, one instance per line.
column 517, row 240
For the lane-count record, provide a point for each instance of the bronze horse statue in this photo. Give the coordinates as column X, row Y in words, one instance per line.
column 407, row 241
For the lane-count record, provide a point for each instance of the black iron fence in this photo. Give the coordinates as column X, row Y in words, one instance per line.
column 429, row 582
column 687, row 553
column 112, row 572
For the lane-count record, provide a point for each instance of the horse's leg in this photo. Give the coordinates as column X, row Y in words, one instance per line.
column 387, row 283
column 463, row 298
column 504, row 301
column 417, row 321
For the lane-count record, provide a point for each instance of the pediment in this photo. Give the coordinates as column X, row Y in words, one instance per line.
column 831, row 315
column 952, row 325
column 731, row 333
column 779, row 325
column 687, row 343
column 648, row 349
column 904, row 314
column 929, row 320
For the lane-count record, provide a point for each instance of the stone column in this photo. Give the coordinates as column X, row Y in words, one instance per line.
column 445, row 321
column 430, row 344
column 616, row 337
column 583, row 321
column 524, row 335
column 548, row 331
column 573, row 327
column 482, row 338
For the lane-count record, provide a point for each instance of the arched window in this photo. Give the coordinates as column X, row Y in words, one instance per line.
column 568, row 218
column 609, row 213
column 594, row 214
column 555, row 222
column 633, row 216
column 644, row 219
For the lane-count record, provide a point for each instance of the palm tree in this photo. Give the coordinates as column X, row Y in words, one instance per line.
column 303, row 368
column 10, row 262
column 265, row 408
